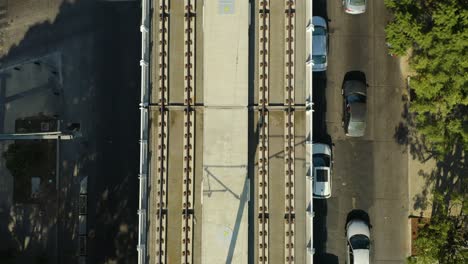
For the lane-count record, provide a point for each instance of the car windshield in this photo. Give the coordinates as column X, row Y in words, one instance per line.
column 319, row 31
column 319, row 59
column 359, row 242
column 321, row 160
column 322, row 175
column 356, row 98
column 357, row 2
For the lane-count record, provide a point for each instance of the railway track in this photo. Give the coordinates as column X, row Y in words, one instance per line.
column 289, row 224
column 161, row 186
column 187, row 205
column 189, row 122
column 263, row 157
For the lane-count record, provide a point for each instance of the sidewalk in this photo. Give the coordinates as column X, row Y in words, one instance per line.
column 420, row 165
column 418, row 188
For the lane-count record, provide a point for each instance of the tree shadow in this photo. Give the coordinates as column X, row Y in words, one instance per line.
column 320, row 135
column 112, row 30
column 445, row 178
column 355, row 75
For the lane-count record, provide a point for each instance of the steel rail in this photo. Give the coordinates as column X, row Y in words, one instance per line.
column 289, row 148
column 161, row 186
column 189, row 121
column 263, row 170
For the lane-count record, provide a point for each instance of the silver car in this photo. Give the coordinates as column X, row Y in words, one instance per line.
column 354, row 107
column 322, row 162
column 319, row 44
column 358, row 242
column 355, row 7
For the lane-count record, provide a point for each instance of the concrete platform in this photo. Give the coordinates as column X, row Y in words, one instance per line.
column 225, row 181
column 225, row 187
column 226, row 53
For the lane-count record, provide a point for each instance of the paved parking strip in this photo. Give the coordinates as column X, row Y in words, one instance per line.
column 370, row 173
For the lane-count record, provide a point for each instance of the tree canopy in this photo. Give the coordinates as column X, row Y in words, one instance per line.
column 444, row 239
column 434, row 34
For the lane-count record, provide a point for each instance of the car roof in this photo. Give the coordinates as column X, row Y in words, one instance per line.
column 321, row 188
column 319, row 45
column 320, row 148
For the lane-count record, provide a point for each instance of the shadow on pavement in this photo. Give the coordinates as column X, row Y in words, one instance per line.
column 319, row 8
column 446, row 177
column 320, row 234
column 355, row 75
column 108, row 156
column 321, row 135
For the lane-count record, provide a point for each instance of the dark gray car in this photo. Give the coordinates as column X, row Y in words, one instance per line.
column 354, row 107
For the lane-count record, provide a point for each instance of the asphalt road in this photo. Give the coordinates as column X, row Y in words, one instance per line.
column 369, row 173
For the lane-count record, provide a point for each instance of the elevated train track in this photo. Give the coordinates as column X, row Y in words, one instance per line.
column 288, row 106
column 287, row 109
column 163, row 108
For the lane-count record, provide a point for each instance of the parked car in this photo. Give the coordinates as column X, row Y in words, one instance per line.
column 322, row 161
column 355, row 7
column 358, row 242
column 354, row 107
column 319, row 44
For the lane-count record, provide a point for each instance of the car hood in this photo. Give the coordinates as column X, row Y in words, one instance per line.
column 356, row 129
column 358, row 112
column 361, row 256
column 356, row 9
column 357, row 122
column 319, row 21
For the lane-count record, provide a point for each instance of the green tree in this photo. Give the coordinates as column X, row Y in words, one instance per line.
column 444, row 239
column 434, row 34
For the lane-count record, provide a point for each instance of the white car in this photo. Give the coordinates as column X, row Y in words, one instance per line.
column 355, row 7
column 358, row 242
column 319, row 44
column 322, row 161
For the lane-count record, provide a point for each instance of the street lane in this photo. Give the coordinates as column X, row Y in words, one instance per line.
column 369, row 173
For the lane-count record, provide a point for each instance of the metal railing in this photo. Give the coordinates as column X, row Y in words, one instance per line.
column 309, row 123
column 144, row 102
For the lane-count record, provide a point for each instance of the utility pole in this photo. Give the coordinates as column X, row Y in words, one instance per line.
column 58, row 135
column 34, row 136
